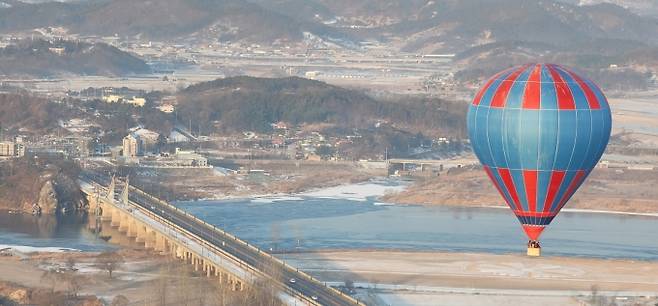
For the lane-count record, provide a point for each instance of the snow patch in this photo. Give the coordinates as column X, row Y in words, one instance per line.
column 31, row 249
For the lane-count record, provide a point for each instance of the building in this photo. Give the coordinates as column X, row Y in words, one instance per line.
column 167, row 108
column 57, row 50
column 132, row 146
column 112, row 98
column 190, row 159
column 136, row 101
column 120, row 99
column 19, row 149
column 148, row 138
column 312, row 74
column 7, row 148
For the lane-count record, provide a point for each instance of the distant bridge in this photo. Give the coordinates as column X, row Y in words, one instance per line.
column 169, row 230
column 442, row 164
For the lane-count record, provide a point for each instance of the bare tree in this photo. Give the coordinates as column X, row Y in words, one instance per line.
column 51, row 277
column 109, row 261
column 121, row 300
column 71, row 262
column 74, row 283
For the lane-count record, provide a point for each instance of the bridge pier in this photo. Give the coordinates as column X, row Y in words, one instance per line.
column 115, row 216
column 132, row 228
column 196, row 263
column 145, row 237
column 179, row 252
column 106, row 213
column 161, row 244
column 124, row 223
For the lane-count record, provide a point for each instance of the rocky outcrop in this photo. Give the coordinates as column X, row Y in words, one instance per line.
column 47, row 201
column 46, row 186
column 15, row 294
column 61, row 195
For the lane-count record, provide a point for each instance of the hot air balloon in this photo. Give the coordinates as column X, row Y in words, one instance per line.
column 538, row 130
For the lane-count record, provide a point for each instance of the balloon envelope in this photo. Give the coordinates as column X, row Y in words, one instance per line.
column 538, row 130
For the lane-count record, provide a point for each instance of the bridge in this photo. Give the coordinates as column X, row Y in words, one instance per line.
column 442, row 164
column 212, row 251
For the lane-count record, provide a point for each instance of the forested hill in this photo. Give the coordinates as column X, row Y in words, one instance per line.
column 50, row 58
column 248, row 103
column 29, row 113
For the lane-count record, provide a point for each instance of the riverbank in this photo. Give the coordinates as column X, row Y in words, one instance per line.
column 260, row 178
column 41, row 275
column 613, row 190
column 141, row 277
column 445, row 278
column 379, row 277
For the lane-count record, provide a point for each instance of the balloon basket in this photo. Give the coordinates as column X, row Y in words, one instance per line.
column 534, row 251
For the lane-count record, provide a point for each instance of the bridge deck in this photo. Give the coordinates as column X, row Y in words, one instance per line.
column 222, row 243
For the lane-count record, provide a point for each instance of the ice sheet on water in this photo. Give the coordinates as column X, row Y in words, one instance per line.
column 275, row 199
column 31, row 249
column 357, row 192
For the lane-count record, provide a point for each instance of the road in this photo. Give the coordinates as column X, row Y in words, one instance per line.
column 257, row 259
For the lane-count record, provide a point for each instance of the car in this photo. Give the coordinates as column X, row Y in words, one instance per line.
column 292, row 280
column 314, row 297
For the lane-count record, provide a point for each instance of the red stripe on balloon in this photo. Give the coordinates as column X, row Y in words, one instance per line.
column 500, row 97
column 592, row 100
column 530, row 182
column 509, row 185
column 532, row 93
column 564, row 96
column 495, row 182
column 575, row 182
column 553, row 186
column 478, row 96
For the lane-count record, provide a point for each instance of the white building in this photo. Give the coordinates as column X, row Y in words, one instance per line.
column 132, row 146
column 167, row 108
column 190, row 159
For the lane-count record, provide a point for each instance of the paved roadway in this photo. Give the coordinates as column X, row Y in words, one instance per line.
column 259, row 260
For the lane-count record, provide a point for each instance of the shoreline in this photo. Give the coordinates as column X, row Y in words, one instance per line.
column 379, row 199
column 569, row 210
column 398, row 251
column 472, row 274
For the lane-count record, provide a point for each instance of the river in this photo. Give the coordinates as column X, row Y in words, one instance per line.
column 347, row 218
column 48, row 233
